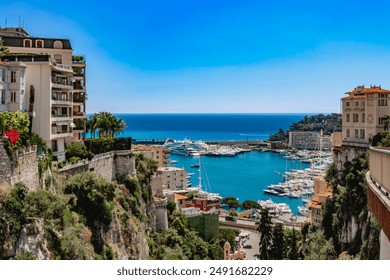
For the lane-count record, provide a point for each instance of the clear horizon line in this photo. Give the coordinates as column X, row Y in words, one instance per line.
column 216, row 113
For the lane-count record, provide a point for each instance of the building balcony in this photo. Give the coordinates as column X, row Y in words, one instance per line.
column 61, row 67
column 78, row 60
column 79, row 97
column 59, row 100
column 60, row 118
column 62, row 83
column 79, row 115
column 61, row 134
column 78, row 87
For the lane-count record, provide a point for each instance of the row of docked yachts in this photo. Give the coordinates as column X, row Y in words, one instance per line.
column 190, row 148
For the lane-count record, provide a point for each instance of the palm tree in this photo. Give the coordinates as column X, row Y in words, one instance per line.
column 118, row 126
column 106, row 124
column 91, row 124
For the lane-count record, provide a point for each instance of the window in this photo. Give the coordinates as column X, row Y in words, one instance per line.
column 362, row 134
column 363, row 118
column 13, row 96
column 64, row 111
column 347, row 104
column 363, row 103
column 348, row 133
column 356, row 133
column 39, row 43
column 355, row 118
column 13, row 76
column 27, row 43
column 347, row 118
column 2, row 97
column 382, row 100
column 356, row 103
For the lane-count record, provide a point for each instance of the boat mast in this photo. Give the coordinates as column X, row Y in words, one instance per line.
column 200, row 176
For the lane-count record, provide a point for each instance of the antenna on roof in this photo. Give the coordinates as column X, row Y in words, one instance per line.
column 5, row 22
column 19, row 22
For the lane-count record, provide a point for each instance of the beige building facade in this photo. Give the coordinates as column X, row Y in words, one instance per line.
column 55, row 92
column 364, row 110
column 157, row 153
column 173, row 178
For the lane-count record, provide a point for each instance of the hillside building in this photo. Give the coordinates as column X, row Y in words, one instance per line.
column 308, row 140
column 157, row 153
column 45, row 79
column 172, row 178
column 364, row 110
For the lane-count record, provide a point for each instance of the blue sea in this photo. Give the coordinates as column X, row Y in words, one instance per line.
column 207, row 127
column 244, row 176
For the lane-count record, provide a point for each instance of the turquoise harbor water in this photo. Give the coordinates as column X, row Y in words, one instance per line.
column 244, row 176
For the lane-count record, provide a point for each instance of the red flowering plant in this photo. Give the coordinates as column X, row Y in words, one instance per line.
column 13, row 136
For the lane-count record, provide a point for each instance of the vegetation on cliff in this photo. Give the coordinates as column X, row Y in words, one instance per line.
column 82, row 217
column 346, row 220
column 180, row 242
column 328, row 123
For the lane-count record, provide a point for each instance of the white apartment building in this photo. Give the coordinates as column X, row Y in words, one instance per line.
column 308, row 140
column 12, row 86
column 363, row 110
column 54, row 81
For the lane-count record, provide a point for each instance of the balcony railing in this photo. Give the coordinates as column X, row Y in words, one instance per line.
column 78, row 86
column 78, row 98
column 78, row 59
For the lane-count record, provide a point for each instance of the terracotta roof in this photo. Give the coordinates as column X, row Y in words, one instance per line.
column 361, row 90
column 354, row 97
column 180, row 197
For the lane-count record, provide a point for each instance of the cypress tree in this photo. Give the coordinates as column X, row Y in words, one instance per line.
column 265, row 230
column 278, row 243
column 293, row 252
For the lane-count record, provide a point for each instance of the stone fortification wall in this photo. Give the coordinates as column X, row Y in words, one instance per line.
column 113, row 165
column 124, row 164
column 103, row 165
column 161, row 213
column 22, row 169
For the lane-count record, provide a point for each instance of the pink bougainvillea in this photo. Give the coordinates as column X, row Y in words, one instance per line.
column 13, row 136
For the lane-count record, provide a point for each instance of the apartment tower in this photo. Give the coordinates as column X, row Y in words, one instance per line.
column 54, row 89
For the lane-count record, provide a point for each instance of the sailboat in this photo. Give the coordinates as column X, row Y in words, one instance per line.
column 207, row 191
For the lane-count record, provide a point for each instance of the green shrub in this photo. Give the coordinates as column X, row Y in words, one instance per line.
column 78, row 150
column 103, row 145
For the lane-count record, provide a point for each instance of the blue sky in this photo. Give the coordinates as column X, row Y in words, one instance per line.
column 218, row 56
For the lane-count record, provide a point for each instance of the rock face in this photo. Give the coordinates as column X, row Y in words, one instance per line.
column 32, row 239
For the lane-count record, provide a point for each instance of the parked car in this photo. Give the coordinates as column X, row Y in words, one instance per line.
column 247, row 246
